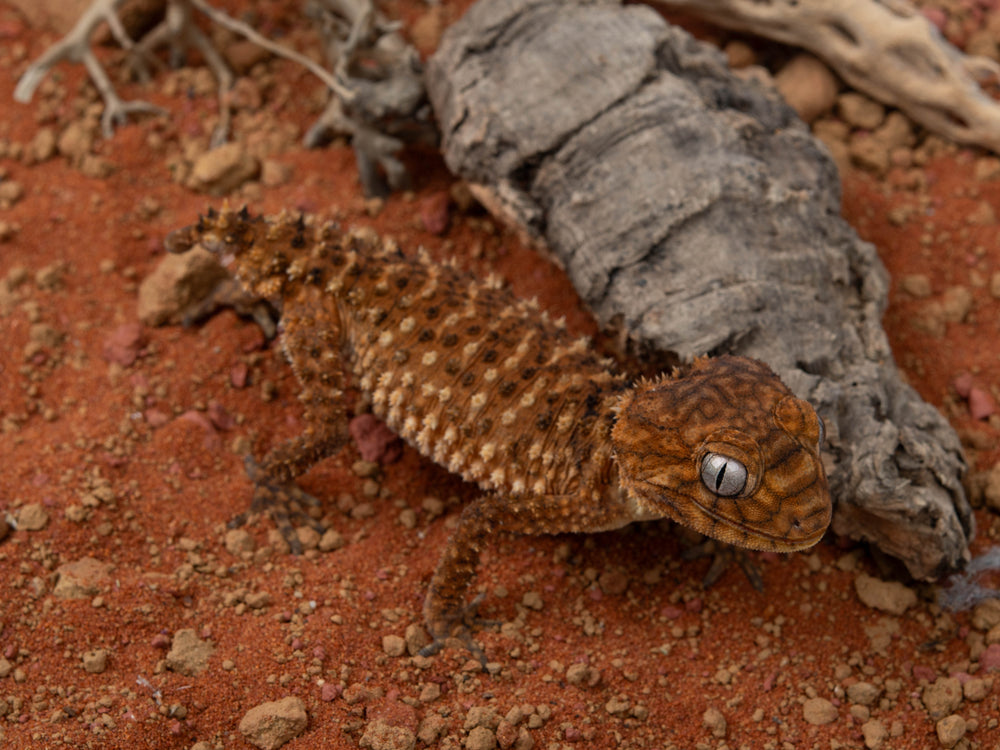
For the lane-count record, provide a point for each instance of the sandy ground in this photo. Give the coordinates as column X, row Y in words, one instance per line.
column 132, row 617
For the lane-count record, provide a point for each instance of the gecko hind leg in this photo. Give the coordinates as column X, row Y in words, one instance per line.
column 283, row 501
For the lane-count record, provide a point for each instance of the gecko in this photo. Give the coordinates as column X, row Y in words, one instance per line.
column 492, row 388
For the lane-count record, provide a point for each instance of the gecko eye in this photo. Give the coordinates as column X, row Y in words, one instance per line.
column 723, row 475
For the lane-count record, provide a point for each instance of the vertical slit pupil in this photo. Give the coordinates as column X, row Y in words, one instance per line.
column 720, row 476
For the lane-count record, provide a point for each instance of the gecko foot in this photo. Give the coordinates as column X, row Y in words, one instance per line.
column 460, row 626
column 284, row 502
column 723, row 555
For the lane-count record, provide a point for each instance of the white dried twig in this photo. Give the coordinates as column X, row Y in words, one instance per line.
column 885, row 48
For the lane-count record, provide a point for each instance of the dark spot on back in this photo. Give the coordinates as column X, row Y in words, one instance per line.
column 452, row 366
column 402, row 281
column 507, row 387
column 528, row 373
column 490, row 355
column 432, row 312
column 450, row 339
column 544, row 421
column 468, row 379
column 474, row 330
column 425, row 335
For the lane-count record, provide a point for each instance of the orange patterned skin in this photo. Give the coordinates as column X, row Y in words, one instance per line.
column 492, row 389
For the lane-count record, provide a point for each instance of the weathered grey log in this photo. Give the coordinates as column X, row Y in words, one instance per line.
column 697, row 212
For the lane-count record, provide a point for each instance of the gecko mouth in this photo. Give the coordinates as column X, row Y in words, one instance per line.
column 796, row 538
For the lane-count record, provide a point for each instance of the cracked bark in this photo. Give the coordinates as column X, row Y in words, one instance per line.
column 697, row 212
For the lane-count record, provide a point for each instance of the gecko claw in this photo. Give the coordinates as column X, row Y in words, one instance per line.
column 284, row 502
column 723, row 555
column 459, row 626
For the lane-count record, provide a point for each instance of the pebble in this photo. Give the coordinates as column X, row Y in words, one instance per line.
column 393, row 645
column 223, row 169
column 123, row 345
column 32, row 517
column 80, row 579
column 885, row 596
column 916, row 285
column 860, row 111
column 819, row 711
column 175, row 283
column 863, row 693
column 239, row 541
column 189, row 654
column 96, row 661
column 271, row 725
column 715, row 722
column 375, row 441
column 808, row 86
column 875, row 734
column 942, row 697
column 950, row 730
column 481, row 738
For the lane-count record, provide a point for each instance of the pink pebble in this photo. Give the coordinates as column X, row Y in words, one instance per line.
column 981, row 403
column 963, row 384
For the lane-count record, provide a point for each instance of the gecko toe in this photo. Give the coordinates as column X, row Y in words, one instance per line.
column 723, row 555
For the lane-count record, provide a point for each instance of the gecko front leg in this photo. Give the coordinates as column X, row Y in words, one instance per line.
column 446, row 612
column 314, row 353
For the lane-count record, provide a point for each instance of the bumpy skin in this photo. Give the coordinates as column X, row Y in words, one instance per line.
column 491, row 388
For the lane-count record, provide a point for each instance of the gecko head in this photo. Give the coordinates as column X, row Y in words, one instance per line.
column 262, row 254
column 726, row 450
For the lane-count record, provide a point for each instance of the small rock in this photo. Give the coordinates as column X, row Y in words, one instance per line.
column 95, row 661
column 32, row 517
column 860, row 111
column 950, row 730
column 885, row 596
column 715, row 722
column 868, row 152
column 956, row 303
column 982, row 215
column 381, row 735
column 189, row 654
column 916, row 285
column 434, row 213
column 176, row 283
column 986, row 168
column 808, row 86
column 975, row 689
column 393, row 645
column 875, row 734
column 942, row 697
column 739, row 54
column 989, row 659
column 223, row 169
column 76, row 141
column 986, row 614
column 375, row 441
column 330, row 541
column 239, row 541
column 11, row 192
column 981, row 403
column 270, row 725
column 481, row 738
column 863, row 693
column 124, row 344
column 80, row 579
column 613, row 582
column 819, row 711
